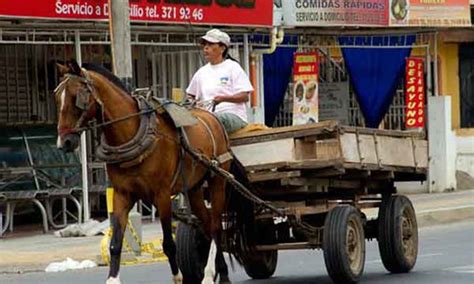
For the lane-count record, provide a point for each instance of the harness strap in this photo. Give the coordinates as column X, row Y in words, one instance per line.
column 213, row 139
column 224, row 157
column 179, row 169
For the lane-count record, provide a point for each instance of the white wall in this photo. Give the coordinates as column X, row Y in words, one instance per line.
column 465, row 154
column 442, row 145
column 410, row 187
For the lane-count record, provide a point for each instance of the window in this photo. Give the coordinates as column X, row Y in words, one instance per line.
column 466, row 74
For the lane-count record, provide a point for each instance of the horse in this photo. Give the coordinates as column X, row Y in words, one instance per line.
column 155, row 174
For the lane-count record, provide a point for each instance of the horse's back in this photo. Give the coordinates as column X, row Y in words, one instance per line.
column 207, row 119
column 208, row 133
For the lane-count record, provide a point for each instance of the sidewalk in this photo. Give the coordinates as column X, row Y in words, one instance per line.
column 34, row 253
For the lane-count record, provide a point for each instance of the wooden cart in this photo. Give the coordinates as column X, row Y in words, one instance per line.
column 326, row 175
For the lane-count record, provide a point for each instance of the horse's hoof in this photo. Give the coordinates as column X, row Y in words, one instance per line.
column 207, row 280
column 113, row 280
column 178, row 278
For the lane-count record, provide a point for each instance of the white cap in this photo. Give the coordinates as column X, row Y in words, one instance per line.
column 217, row 36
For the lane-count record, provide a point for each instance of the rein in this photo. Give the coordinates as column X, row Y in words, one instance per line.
column 86, row 109
column 103, row 124
column 128, row 154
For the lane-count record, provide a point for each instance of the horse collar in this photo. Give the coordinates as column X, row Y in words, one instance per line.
column 139, row 147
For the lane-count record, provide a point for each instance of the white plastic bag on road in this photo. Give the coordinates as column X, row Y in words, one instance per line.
column 87, row 229
column 69, row 264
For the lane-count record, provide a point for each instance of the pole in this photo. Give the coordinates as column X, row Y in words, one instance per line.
column 120, row 39
column 246, row 54
column 436, row 87
column 84, row 164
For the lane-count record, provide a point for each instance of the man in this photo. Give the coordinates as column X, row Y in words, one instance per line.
column 223, row 81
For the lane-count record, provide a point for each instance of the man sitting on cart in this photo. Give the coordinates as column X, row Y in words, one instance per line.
column 221, row 82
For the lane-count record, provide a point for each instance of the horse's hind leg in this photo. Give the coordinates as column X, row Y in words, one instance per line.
column 216, row 257
column 163, row 203
column 119, row 220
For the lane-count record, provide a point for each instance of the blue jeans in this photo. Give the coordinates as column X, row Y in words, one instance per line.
column 231, row 122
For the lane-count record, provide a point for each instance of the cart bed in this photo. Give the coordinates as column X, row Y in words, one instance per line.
column 327, row 149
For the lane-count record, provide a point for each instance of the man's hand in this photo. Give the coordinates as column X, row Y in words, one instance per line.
column 237, row 98
column 219, row 99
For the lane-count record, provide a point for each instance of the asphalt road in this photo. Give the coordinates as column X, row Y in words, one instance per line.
column 446, row 256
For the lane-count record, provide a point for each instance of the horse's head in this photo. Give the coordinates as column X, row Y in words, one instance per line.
column 75, row 102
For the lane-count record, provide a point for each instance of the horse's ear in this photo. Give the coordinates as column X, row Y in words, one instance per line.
column 74, row 67
column 62, row 69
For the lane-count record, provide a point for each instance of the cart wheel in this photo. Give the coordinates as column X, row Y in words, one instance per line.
column 398, row 234
column 344, row 244
column 261, row 265
column 192, row 249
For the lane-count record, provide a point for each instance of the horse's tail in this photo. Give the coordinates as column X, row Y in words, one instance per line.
column 240, row 217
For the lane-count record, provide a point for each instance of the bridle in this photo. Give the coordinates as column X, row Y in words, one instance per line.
column 82, row 102
column 88, row 110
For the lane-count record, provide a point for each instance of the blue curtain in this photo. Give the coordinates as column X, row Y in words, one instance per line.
column 375, row 72
column 277, row 68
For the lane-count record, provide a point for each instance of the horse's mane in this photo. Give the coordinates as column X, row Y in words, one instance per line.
column 107, row 74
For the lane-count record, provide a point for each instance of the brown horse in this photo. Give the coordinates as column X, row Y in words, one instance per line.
column 94, row 92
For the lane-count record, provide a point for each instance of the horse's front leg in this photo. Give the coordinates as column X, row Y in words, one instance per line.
column 163, row 203
column 119, row 220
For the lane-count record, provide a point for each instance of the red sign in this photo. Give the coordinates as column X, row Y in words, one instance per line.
column 415, row 93
column 305, row 88
column 224, row 12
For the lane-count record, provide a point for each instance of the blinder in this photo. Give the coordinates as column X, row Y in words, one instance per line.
column 82, row 99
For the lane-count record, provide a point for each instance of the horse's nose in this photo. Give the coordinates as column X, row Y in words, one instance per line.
column 70, row 143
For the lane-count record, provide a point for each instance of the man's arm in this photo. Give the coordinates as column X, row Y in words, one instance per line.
column 237, row 98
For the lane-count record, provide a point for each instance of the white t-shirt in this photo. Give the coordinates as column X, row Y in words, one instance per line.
column 226, row 78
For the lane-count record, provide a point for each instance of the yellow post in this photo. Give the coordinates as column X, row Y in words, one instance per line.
column 110, row 200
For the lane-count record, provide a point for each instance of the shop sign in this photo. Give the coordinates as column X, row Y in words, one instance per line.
column 305, row 88
column 415, row 93
column 430, row 13
column 224, row 12
column 335, row 12
column 334, row 101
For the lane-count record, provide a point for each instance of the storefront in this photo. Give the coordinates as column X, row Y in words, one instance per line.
column 36, row 35
column 165, row 52
column 442, row 34
column 164, row 38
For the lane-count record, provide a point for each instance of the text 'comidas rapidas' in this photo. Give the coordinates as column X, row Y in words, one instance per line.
column 345, row 4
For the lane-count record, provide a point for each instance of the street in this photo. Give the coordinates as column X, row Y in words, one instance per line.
column 446, row 256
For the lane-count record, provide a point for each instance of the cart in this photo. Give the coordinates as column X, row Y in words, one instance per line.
column 324, row 177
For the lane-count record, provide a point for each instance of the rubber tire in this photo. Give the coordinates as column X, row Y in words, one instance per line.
column 192, row 249
column 261, row 265
column 390, row 234
column 336, row 257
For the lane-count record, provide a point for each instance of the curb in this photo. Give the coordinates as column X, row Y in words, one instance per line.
column 440, row 216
